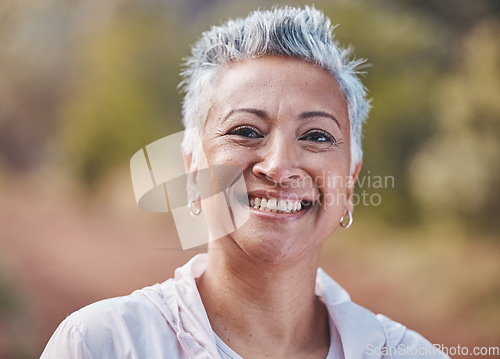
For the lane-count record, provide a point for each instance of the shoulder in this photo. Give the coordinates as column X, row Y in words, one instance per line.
column 165, row 320
column 125, row 309
column 132, row 312
column 130, row 326
column 402, row 342
column 364, row 333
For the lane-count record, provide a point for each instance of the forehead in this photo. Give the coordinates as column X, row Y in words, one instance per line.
column 275, row 81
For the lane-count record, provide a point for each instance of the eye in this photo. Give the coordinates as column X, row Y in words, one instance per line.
column 246, row 131
column 317, row 136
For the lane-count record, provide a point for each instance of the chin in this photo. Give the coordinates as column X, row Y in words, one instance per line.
column 269, row 250
column 273, row 256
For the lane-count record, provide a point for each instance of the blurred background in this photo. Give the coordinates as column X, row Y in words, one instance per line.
column 85, row 84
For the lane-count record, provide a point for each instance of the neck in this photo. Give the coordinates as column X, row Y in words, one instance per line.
column 261, row 308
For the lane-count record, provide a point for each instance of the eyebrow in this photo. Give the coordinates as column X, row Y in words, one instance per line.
column 263, row 114
column 310, row 114
column 258, row 113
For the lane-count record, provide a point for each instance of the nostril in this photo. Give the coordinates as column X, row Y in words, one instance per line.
column 267, row 177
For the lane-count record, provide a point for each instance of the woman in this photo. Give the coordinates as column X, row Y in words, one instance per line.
column 274, row 96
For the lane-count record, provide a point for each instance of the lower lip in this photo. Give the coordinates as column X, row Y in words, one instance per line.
column 275, row 216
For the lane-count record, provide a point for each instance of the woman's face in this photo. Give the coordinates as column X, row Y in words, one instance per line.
column 284, row 123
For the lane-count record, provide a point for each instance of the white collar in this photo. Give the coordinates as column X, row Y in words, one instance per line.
column 180, row 303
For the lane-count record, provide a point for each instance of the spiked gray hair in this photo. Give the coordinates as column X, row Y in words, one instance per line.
column 289, row 32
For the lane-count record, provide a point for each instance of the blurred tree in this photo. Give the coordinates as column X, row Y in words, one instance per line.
column 456, row 174
column 405, row 57
column 125, row 95
column 460, row 16
column 35, row 58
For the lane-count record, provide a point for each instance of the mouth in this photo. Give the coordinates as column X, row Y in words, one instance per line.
column 276, row 205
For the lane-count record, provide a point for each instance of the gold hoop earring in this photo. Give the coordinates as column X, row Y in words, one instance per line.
column 343, row 222
column 194, row 210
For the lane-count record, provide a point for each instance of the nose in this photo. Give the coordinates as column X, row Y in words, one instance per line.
column 279, row 161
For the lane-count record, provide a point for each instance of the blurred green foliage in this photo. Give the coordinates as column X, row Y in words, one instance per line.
column 456, row 173
column 13, row 318
column 105, row 86
column 9, row 299
column 404, row 58
column 124, row 95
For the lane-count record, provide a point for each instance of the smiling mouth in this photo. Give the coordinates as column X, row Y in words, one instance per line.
column 278, row 205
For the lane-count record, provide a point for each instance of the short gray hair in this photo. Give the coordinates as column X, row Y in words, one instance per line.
column 289, row 32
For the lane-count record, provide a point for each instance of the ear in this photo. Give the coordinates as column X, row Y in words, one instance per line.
column 350, row 186
column 193, row 193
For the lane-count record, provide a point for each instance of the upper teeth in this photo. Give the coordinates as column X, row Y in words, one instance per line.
column 274, row 205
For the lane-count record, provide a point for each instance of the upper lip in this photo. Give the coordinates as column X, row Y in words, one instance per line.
column 287, row 196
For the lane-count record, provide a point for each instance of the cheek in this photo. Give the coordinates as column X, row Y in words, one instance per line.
column 333, row 186
column 219, row 152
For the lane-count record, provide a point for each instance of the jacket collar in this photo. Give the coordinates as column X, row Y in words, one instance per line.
column 180, row 303
column 356, row 326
